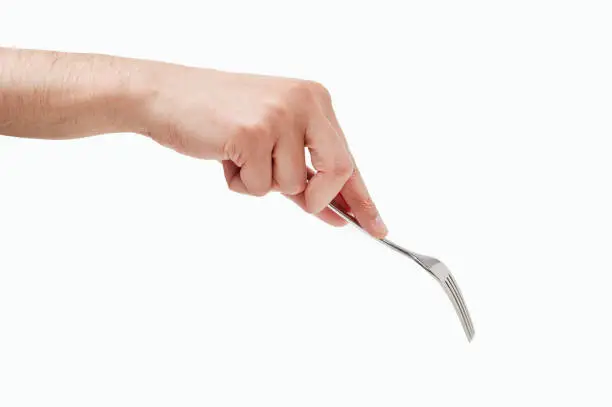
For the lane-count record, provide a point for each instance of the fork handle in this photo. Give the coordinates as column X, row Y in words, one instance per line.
column 392, row 245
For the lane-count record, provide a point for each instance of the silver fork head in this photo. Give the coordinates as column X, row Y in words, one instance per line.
column 432, row 265
column 441, row 273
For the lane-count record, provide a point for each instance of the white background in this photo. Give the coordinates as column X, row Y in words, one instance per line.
column 131, row 276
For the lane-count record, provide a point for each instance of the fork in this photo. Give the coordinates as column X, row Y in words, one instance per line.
column 433, row 266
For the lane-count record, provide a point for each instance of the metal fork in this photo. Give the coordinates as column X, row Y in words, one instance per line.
column 434, row 267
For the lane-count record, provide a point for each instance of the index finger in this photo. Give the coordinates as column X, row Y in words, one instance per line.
column 356, row 195
column 354, row 190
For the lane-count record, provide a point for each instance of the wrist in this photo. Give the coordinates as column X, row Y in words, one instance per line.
column 136, row 90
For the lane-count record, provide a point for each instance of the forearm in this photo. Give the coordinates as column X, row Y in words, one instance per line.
column 56, row 95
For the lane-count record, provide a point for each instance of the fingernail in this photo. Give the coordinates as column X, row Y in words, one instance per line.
column 380, row 226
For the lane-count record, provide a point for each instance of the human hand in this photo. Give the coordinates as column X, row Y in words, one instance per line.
column 259, row 128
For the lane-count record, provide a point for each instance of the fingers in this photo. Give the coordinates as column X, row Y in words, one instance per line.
column 326, row 215
column 235, row 183
column 232, row 177
column 254, row 178
column 269, row 155
column 256, row 174
column 362, row 207
column 330, row 158
column 248, row 169
column 289, row 165
column 284, row 170
column 355, row 191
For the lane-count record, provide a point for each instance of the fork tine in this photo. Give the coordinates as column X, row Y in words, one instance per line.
column 455, row 303
column 452, row 290
column 462, row 303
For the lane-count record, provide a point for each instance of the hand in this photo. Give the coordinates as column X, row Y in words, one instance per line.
column 259, row 127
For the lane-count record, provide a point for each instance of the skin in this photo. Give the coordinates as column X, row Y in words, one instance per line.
column 258, row 127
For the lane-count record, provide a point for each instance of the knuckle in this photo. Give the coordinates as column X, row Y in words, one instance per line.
column 343, row 168
column 247, row 141
column 302, row 93
column 277, row 112
column 246, row 132
column 235, row 151
column 354, row 174
column 320, row 91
